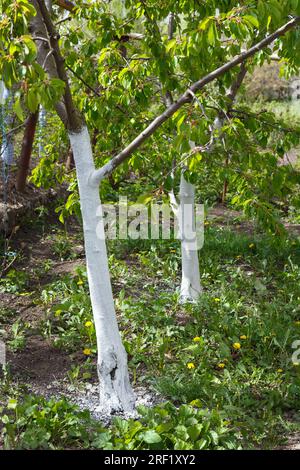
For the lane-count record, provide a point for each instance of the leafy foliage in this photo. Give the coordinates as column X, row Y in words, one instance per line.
column 36, row 423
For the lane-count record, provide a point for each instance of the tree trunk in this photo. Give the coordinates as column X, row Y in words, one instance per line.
column 190, row 289
column 115, row 389
column 41, row 131
column 70, row 164
column 26, row 151
column 190, row 282
column 7, row 145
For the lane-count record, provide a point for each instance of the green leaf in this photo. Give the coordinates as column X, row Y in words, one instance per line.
column 215, row 437
column 212, row 34
column 151, row 437
column 194, row 431
column 12, row 404
column 144, row 199
column 32, row 100
column 170, row 44
column 205, row 23
column 18, row 109
column 252, row 20
column 201, row 444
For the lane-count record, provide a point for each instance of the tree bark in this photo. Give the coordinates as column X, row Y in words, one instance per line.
column 115, row 390
column 26, row 151
column 70, row 164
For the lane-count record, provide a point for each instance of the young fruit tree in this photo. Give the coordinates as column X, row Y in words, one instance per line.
column 32, row 62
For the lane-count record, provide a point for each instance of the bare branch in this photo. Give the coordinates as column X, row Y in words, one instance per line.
column 66, row 4
column 46, row 58
column 236, row 85
column 83, row 81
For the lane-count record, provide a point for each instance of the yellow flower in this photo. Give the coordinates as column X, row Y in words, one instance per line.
column 87, row 352
column 296, row 364
column 190, row 365
column 172, row 251
column 80, row 282
column 88, row 324
column 279, row 371
column 243, row 337
column 197, row 403
column 238, row 256
column 216, row 299
column 251, row 245
column 236, row 346
column 197, row 339
column 58, row 312
column 221, row 365
column 206, row 222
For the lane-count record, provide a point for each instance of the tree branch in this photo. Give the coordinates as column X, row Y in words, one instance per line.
column 39, row 35
column 74, row 122
column 65, row 4
column 171, row 25
column 236, row 85
column 186, row 97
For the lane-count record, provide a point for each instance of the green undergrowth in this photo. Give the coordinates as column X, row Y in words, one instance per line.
column 225, row 366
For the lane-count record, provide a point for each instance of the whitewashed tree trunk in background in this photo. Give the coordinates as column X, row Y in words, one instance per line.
column 7, row 146
column 115, row 389
column 190, row 281
column 190, row 289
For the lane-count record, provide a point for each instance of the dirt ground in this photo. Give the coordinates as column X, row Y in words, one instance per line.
column 39, row 362
column 14, row 205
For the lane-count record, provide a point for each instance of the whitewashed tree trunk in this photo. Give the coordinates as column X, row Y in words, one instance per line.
column 190, row 281
column 190, row 289
column 115, row 389
column 7, row 146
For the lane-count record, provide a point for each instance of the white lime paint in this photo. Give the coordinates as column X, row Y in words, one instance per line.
column 190, row 289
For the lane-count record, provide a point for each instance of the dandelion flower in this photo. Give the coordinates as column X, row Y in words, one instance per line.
column 190, row 365
column 87, row 352
column 88, row 324
column 221, row 365
column 236, row 346
column 216, row 299
column 80, row 282
column 243, row 337
column 197, row 339
column 279, row 371
column 251, row 245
